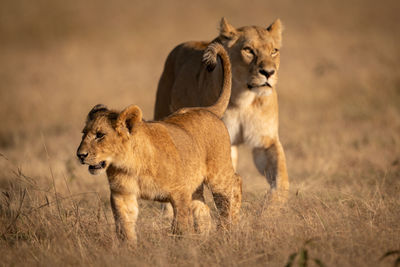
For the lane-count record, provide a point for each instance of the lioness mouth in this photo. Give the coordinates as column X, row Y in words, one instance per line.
column 251, row 86
column 99, row 166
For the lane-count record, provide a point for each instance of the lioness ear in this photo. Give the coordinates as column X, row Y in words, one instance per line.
column 275, row 29
column 95, row 109
column 128, row 117
column 226, row 30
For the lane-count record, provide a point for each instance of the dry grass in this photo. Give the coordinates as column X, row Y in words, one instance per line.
column 339, row 99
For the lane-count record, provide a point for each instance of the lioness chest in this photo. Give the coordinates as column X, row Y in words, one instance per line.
column 253, row 120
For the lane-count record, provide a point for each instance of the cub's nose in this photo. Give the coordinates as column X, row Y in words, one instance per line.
column 82, row 156
column 267, row 73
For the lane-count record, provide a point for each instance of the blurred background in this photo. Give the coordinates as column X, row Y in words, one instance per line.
column 339, row 97
column 339, row 87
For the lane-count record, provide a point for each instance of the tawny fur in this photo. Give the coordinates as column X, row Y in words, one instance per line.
column 252, row 114
column 167, row 160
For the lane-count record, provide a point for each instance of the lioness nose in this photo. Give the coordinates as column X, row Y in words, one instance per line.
column 82, row 156
column 267, row 73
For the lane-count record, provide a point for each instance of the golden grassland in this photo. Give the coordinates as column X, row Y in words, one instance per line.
column 339, row 95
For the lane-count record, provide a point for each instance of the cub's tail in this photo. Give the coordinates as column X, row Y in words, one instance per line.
column 210, row 60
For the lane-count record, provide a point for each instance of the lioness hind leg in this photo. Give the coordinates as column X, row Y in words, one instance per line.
column 228, row 199
column 167, row 211
column 201, row 212
column 271, row 163
column 201, row 217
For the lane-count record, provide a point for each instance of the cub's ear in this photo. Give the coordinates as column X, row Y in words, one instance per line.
column 95, row 109
column 275, row 29
column 128, row 118
column 226, row 30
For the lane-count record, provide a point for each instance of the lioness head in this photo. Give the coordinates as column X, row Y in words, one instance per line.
column 106, row 137
column 254, row 52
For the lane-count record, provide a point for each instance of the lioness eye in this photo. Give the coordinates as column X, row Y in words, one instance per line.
column 99, row 135
column 274, row 51
column 248, row 50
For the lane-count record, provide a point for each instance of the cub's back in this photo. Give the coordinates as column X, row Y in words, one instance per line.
column 205, row 128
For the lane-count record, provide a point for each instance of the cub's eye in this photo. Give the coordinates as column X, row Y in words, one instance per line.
column 274, row 52
column 99, row 135
column 248, row 50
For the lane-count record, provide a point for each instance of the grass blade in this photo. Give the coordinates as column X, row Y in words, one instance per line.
column 319, row 263
column 291, row 259
column 389, row 253
column 303, row 258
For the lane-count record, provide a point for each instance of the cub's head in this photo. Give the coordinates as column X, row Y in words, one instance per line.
column 254, row 53
column 106, row 137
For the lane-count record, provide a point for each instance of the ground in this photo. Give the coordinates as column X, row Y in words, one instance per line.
column 339, row 96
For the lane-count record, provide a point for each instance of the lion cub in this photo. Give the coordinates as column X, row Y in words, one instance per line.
column 167, row 160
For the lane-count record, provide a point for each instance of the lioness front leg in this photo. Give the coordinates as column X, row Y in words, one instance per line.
column 125, row 211
column 271, row 162
column 234, row 156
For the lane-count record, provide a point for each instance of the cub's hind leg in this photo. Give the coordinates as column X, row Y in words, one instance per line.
column 183, row 219
column 200, row 212
column 227, row 194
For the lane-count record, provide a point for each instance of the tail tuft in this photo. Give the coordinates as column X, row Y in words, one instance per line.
column 210, row 57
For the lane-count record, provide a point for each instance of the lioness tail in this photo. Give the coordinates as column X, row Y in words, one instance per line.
column 210, row 60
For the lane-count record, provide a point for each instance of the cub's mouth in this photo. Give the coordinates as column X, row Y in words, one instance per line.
column 252, row 86
column 94, row 169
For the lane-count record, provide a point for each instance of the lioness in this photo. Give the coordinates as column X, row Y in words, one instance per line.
column 252, row 114
column 166, row 160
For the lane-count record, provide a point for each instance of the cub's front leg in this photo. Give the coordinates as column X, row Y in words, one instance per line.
column 125, row 210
